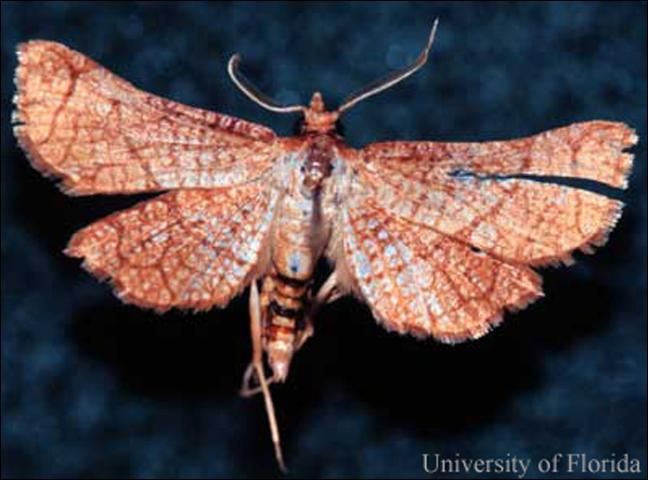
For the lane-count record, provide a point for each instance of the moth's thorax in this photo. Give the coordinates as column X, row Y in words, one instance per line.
column 317, row 163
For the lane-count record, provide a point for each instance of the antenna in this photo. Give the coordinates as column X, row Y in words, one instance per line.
column 253, row 93
column 393, row 78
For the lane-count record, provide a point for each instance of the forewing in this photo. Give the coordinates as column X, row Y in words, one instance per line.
column 458, row 190
column 100, row 134
column 421, row 282
column 193, row 248
column 591, row 150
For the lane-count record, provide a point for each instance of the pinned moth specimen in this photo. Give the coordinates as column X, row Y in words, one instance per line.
column 439, row 239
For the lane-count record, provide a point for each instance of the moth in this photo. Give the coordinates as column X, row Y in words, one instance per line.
column 439, row 239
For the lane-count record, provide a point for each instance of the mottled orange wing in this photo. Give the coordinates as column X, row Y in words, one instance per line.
column 190, row 248
column 99, row 134
column 421, row 282
column 518, row 220
column 591, row 150
column 438, row 237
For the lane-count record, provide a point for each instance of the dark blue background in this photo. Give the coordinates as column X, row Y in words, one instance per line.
column 94, row 388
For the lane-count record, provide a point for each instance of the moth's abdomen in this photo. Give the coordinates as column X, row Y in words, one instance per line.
column 284, row 303
column 293, row 260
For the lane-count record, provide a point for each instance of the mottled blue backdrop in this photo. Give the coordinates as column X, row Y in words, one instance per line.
column 93, row 388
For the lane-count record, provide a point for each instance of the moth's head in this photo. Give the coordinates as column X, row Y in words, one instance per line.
column 316, row 119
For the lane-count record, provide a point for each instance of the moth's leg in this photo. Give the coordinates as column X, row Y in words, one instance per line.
column 257, row 350
column 304, row 334
column 250, row 385
column 247, row 390
column 327, row 293
column 256, row 368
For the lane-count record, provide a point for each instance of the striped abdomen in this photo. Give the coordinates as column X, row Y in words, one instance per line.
column 284, row 302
